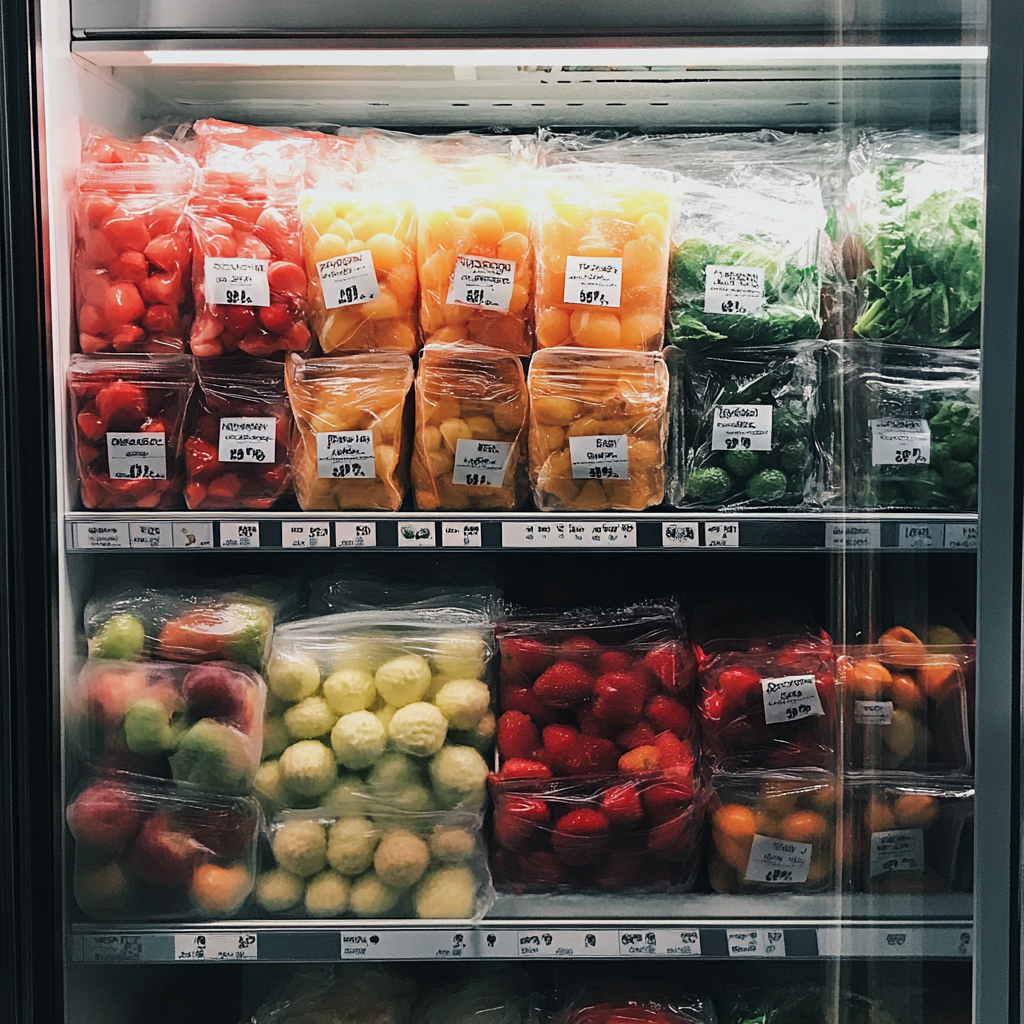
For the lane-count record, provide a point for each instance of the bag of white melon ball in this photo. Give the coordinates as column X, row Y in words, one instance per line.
column 367, row 860
column 349, row 689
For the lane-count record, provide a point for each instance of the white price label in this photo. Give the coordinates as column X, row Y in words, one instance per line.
column 150, row 535
column 853, row 536
column 480, row 463
column 593, row 281
column 660, row 942
column 898, row 441
column 872, row 712
column 756, row 942
column 247, row 439
column 305, row 535
column 790, row 698
column 921, row 535
column 106, row 948
column 345, row 455
column 778, row 861
column 236, row 281
column 742, row 428
column 416, row 535
column 589, row 534
column 961, row 536
column 141, row 456
column 483, row 283
column 722, row 535
column 563, row 944
column 348, row 280
column 680, row 535
column 349, row 534
column 189, row 946
column 600, row 457
column 897, row 850
column 231, row 946
column 460, row 535
column 101, row 535
column 193, row 535
column 733, row 289
column 239, row 535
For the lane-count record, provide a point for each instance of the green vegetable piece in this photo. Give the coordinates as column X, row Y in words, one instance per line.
column 152, row 727
column 768, row 485
column 121, row 637
column 793, row 456
column 708, row 484
column 787, row 426
column 254, row 621
column 212, row 756
column 958, row 474
column 741, row 462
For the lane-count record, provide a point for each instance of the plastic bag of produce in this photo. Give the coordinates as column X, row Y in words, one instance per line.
column 248, row 274
column 363, row 857
column 471, row 418
column 150, row 851
column 201, row 725
column 133, row 245
column 602, row 241
column 237, row 432
column 636, row 1004
column 352, row 418
column 916, row 245
column 905, row 833
column 814, row 1003
column 496, row 996
column 772, row 832
column 598, row 427
column 356, row 592
column 128, row 413
column 912, row 421
column 750, row 428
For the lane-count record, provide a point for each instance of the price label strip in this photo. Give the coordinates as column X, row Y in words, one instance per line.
column 151, row 535
column 305, row 535
column 236, row 282
column 649, row 942
column 192, row 535
column 461, row 535
column 95, row 536
column 350, row 534
column 599, row 534
column 921, row 535
column 756, row 942
column 961, row 536
column 680, row 535
column 416, row 535
column 239, row 535
column 348, row 280
column 593, row 281
column 482, row 283
column 853, row 536
column 562, row 944
column 722, row 535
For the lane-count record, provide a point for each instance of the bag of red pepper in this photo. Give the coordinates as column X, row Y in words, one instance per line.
column 128, row 413
column 248, row 276
column 133, row 245
column 636, row 1004
column 237, row 433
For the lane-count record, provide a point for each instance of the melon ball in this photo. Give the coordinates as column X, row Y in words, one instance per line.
column 393, row 770
column 450, row 845
column 385, row 714
column 463, row 702
column 403, row 680
column 370, row 897
column 350, row 689
column 418, row 729
column 400, row 859
column 270, row 785
column 447, row 892
column 411, row 797
column 459, row 775
column 275, row 737
column 309, row 719
column 278, row 890
column 308, row 768
column 327, row 895
column 358, row 739
column 350, row 796
column 300, row 846
column 292, row 677
column 351, row 843
column 460, row 656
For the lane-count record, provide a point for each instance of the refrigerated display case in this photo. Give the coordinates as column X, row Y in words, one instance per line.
column 885, row 766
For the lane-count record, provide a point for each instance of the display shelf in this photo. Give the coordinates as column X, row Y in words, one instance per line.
column 520, row 531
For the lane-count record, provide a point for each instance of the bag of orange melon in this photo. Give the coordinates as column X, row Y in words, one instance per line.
column 350, row 446
column 597, row 429
column 471, row 413
column 602, row 240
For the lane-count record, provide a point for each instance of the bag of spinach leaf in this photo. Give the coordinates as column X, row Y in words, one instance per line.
column 745, row 266
column 911, row 433
column 747, row 427
column 915, row 241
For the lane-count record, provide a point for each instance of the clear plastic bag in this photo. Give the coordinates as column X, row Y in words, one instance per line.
column 374, row 861
column 750, row 428
column 133, row 245
column 471, row 418
column 912, row 422
column 201, row 725
column 915, row 221
column 614, row 1005
column 352, row 419
column 128, row 413
column 905, row 834
column 598, row 426
column 146, row 851
column 497, row 996
column 237, row 433
column 772, row 832
column 602, row 243
column 356, row 592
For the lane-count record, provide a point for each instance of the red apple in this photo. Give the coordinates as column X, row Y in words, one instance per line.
column 103, row 816
column 214, row 691
column 165, row 855
column 110, row 690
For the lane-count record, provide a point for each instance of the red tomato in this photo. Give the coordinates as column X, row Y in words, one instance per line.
column 251, row 248
column 194, row 494
column 126, row 233
column 91, row 425
column 286, row 278
column 123, row 303
column 98, row 250
column 127, row 337
column 240, row 319
column 735, row 681
column 163, row 289
column 123, row 400
column 220, row 245
column 225, row 487
column 94, row 285
column 200, row 456
column 90, row 319
column 216, row 226
column 164, row 252
column 130, row 266
column 90, row 344
column 95, row 209
column 161, row 319
column 276, row 317
column 296, row 339
column 165, row 219
column 256, row 344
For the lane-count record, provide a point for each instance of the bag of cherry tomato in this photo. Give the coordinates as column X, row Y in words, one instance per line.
column 638, row 1003
column 133, row 246
column 128, row 413
column 237, row 433
column 248, row 275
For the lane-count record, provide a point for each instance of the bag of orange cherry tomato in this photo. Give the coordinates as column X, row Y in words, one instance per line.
column 602, row 244
column 350, row 447
column 248, row 277
column 470, row 450
column 133, row 245
column 597, row 429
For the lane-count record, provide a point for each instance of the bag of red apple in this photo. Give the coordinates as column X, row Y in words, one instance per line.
column 248, row 275
column 133, row 245
column 641, row 832
column 636, row 1004
column 151, row 850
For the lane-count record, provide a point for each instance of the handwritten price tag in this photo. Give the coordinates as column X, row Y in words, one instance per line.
column 236, row 282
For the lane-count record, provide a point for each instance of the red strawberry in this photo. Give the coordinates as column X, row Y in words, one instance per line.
column 580, row 836
column 522, row 698
column 613, row 661
column 516, row 821
column 673, row 664
column 540, row 867
column 522, row 768
column 737, row 682
column 526, row 655
column 621, row 806
column 572, row 753
column 673, row 750
column 598, row 756
column 665, row 799
column 590, row 724
column 664, row 713
column 563, row 685
column 517, row 735
column 640, row 759
column 639, row 735
column 619, row 697
column 580, row 648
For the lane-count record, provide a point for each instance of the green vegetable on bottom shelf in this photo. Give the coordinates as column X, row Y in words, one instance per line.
column 121, row 638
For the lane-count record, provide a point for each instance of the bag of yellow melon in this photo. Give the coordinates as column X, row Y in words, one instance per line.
column 349, row 448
